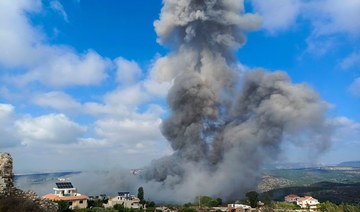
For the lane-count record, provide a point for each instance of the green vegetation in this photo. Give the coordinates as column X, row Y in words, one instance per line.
column 208, row 201
column 63, row 206
column 96, row 203
column 252, row 198
column 323, row 191
column 140, row 195
column 18, row 204
column 331, row 207
column 308, row 176
column 121, row 208
column 117, row 208
column 323, row 207
column 150, row 205
column 285, row 206
column 187, row 209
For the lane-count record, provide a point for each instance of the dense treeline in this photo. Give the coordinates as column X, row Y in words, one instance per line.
column 332, row 207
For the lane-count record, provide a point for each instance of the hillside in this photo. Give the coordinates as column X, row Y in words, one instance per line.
column 308, row 176
column 336, row 184
column 323, row 191
column 354, row 164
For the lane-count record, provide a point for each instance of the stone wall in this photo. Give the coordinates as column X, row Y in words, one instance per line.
column 8, row 190
column 6, row 174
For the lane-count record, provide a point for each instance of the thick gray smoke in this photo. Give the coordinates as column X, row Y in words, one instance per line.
column 222, row 127
column 222, row 133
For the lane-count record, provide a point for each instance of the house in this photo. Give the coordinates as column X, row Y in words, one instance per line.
column 125, row 199
column 238, row 208
column 307, row 202
column 65, row 191
column 291, row 198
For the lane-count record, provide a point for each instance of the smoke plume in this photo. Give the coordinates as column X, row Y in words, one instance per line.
column 223, row 128
column 224, row 125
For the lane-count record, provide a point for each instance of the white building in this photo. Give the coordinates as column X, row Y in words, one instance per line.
column 291, row 198
column 125, row 199
column 65, row 191
column 307, row 202
column 238, row 208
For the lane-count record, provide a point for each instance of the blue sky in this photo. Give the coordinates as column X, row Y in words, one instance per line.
column 79, row 86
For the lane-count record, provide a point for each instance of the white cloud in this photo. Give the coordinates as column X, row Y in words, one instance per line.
column 159, row 80
column 346, row 122
column 327, row 16
column 60, row 143
column 279, row 15
column 156, row 88
column 332, row 21
column 125, row 101
column 128, row 97
column 57, row 6
column 353, row 60
column 127, row 118
column 7, row 138
column 320, row 46
column 57, row 100
column 65, row 68
column 129, row 132
column 52, row 65
column 6, row 111
column 14, row 25
column 347, row 132
column 355, row 87
column 346, row 142
column 128, row 72
column 333, row 16
column 49, row 129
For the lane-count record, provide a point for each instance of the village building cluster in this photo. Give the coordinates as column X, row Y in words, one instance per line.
column 65, row 191
column 306, row 202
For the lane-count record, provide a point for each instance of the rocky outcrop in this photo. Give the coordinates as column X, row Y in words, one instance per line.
column 6, row 174
column 10, row 194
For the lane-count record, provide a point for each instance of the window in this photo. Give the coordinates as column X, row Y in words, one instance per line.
column 70, row 203
column 81, row 202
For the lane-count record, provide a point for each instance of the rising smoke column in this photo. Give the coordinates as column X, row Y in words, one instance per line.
column 222, row 133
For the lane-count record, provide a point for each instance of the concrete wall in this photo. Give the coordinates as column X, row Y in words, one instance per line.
column 77, row 205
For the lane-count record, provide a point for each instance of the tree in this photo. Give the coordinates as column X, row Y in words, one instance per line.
column 219, row 200
column 140, row 195
column 120, row 207
column 96, row 203
column 253, row 198
column 150, row 204
column 267, row 199
column 209, row 202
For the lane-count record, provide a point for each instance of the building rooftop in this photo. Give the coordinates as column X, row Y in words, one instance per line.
column 63, row 185
column 123, row 193
column 306, row 198
column 66, row 198
column 292, row 195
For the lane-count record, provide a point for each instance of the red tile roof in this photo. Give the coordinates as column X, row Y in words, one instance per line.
column 292, row 196
column 54, row 197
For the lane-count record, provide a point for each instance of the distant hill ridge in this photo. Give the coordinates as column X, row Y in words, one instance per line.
column 323, row 191
column 350, row 164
